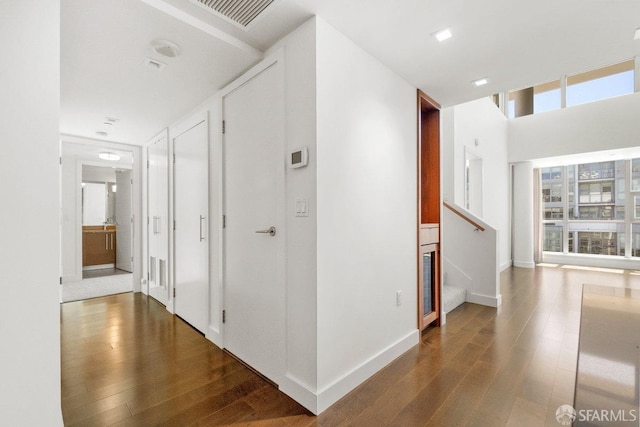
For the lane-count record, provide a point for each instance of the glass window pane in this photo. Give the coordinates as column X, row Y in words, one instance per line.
column 552, row 240
column 635, row 240
column 552, row 189
column 546, row 97
column 602, row 83
column 635, row 175
column 598, row 243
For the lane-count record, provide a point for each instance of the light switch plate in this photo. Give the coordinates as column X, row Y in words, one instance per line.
column 302, row 207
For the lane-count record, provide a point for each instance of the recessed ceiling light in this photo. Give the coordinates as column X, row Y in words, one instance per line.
column 109, row 156
column 101, row 133
column 443, row 35
column 637, row 36
column 480, row 82
column 166, row 48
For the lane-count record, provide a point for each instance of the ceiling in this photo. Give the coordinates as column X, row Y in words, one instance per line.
column 514, row 44
column 89, row 153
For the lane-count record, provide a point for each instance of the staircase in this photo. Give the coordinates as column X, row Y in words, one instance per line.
column 452, row 297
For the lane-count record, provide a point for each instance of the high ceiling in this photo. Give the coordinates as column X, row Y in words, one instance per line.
column 513, row 43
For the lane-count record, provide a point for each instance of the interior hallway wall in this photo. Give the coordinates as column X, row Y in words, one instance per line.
column 367, row 214
column 29, row 220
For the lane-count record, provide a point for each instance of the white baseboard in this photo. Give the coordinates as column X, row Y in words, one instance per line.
column 484, row 299
column 524, row 264
column 316, row 402
column 214, row 335
column 300, row 392
column 340, row 387
column 506, row 265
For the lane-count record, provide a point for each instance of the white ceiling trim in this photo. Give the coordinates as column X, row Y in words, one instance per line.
column 202, row 26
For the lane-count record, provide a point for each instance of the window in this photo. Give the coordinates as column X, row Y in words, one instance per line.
column 594, row 85
column 600, row 84
column 594, row 196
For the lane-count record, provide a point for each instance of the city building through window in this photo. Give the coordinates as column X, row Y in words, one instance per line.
column 591, row 208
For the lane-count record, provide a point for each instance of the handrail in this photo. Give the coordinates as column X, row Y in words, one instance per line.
column 463, row 216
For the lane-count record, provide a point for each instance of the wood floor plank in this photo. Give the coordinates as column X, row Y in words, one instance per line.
column 127, row 361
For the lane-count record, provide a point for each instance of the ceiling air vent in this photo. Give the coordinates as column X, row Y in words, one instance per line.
column 240, row 12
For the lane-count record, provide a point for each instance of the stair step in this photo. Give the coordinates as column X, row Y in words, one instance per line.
column 452, row 297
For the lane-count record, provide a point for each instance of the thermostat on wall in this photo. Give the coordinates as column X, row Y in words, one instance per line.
column 298, row 157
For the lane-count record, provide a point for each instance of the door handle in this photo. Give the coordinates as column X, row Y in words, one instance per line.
column 271, row 231
column 201, row 228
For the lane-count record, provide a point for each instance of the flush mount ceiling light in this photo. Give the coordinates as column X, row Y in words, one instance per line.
column 443, row 35
column 109, row 156
column 480, row 82
column 166, row 48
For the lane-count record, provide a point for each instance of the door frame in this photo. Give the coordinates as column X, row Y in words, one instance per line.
column 276, row 59
column 136, row 207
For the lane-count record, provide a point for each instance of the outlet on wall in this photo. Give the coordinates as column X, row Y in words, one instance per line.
column 398, row 298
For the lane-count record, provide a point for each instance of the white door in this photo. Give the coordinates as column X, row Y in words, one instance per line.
column 158, row 217
column 254, row 295
column 124, row 220
column 191, row 215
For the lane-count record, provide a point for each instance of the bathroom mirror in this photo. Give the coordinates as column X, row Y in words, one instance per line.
column 98, row 195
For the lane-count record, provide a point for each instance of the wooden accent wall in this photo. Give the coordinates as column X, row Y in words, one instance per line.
column 428, row 203
column 430, row 166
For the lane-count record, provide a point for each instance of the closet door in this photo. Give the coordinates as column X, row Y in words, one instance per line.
column 191, row 215
column 254, row 235
column 158, row 217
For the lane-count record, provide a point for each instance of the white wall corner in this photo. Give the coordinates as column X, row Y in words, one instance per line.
column 300, row 392
column 339, row 388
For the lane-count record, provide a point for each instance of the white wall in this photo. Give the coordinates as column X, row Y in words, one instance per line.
column 367, row 214
column 596, row 126
column 480, row 121
column 29, row 171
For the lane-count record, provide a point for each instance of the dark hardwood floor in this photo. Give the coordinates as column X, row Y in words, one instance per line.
column 127, row 361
